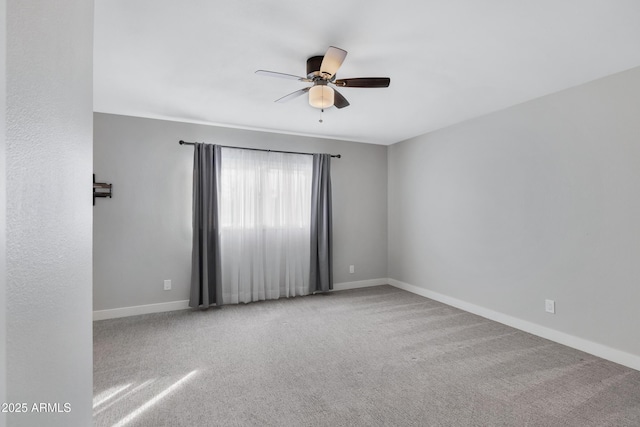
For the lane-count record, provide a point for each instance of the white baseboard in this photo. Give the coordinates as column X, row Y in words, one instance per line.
column 140, row 309
column 182, row 305
column 600, row 350
column 360, row 284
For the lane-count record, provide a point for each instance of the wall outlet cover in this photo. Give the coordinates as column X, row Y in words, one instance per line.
column 550, row 306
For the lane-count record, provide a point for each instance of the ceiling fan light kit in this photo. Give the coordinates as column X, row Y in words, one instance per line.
column 321, row 71
column 321, row 96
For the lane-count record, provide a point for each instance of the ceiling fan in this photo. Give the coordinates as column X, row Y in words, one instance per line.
column 321, row 71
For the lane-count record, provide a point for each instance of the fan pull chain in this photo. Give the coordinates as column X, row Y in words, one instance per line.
column 322, row 109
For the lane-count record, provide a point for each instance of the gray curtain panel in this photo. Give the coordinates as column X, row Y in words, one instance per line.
column 206, row 282
column 321, row 268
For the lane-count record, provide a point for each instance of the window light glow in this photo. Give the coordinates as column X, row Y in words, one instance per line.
column 154, row 400
column 108, row 394
column 129, row 393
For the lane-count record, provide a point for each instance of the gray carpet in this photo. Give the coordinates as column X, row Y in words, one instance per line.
column 365, row 357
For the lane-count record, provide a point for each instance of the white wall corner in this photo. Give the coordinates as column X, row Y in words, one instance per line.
column 596, row 349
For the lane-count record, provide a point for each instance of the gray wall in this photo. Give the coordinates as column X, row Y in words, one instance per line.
column 538, row 201
column 48, row 241
column 143, row 235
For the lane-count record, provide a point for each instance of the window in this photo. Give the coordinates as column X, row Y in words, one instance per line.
column 265, row 190
column 265, row 212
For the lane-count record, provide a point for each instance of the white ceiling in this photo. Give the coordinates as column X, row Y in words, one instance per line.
column 448, row 60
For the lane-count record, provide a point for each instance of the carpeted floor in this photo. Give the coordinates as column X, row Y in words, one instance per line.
column 365, row 357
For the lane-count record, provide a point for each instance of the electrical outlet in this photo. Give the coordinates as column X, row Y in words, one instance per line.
column 352, row 269
column 167, row 285
column 550, row 306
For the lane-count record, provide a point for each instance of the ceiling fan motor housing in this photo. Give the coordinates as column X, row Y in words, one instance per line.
column 313, row 66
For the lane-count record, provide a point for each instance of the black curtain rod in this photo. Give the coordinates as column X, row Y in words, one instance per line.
column 181, row 142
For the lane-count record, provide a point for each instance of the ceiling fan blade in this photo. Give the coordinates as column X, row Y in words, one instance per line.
column 364, row 82
column 332, row 61
column 293, row 95
column 339, row 101
column 282, row 75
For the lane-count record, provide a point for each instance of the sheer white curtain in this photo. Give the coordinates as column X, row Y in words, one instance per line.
column 265, row 211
